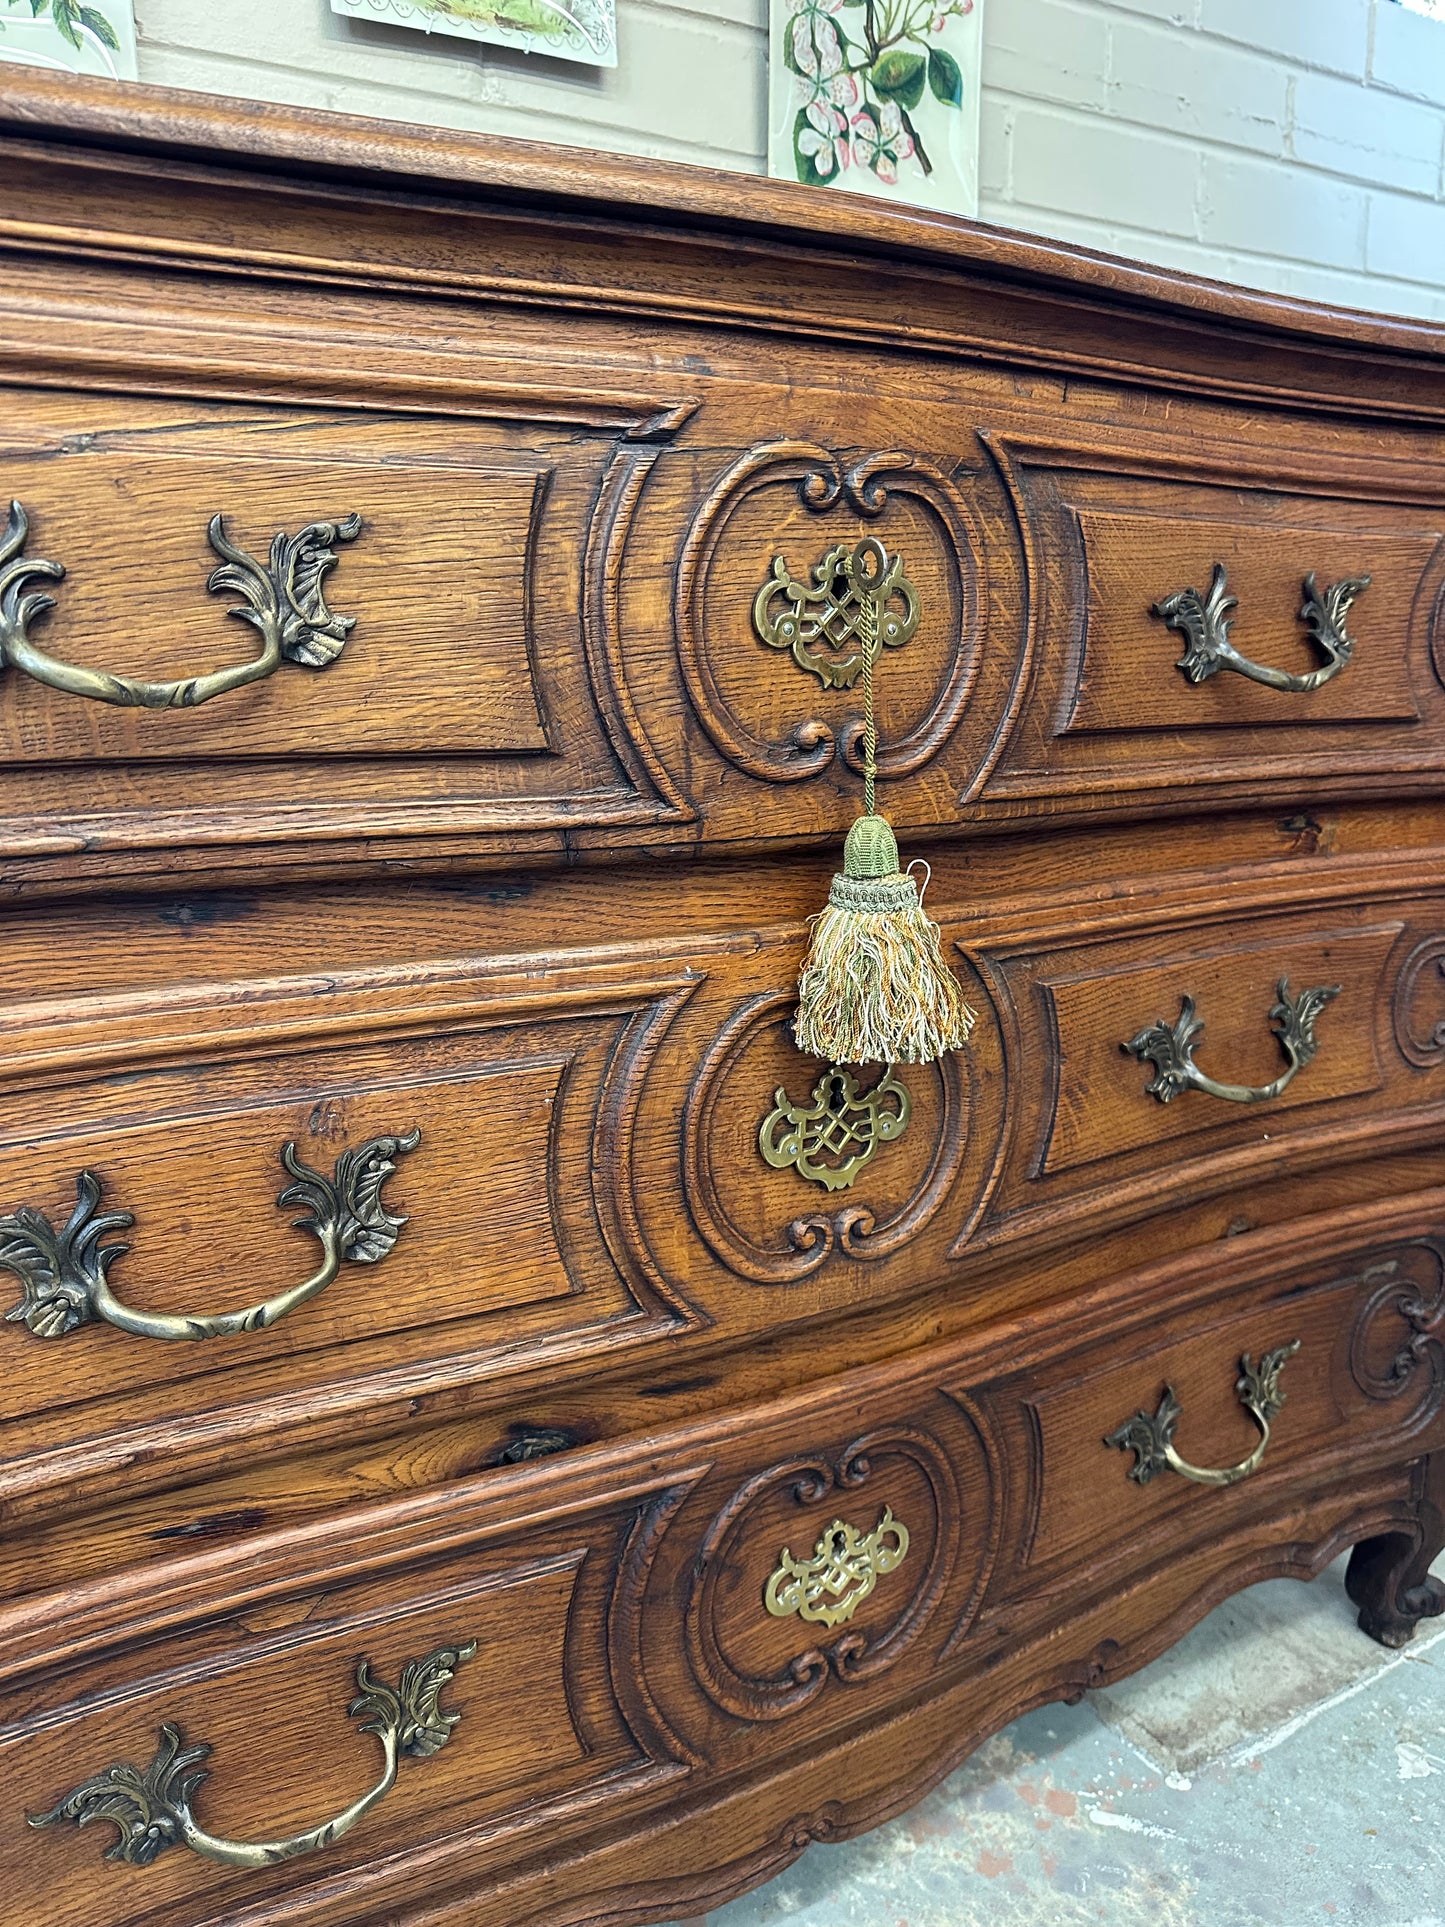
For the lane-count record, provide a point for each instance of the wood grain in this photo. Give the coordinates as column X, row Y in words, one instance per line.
column 530, row 869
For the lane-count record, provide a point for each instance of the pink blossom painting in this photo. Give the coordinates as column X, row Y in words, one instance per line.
column 878, row 96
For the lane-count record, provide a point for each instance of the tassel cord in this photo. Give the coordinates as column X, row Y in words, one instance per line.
column 868, row 636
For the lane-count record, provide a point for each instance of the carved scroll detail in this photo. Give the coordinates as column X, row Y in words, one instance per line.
column 1408, row 1313
column 823, row 481
column 852, row 1231
column 1423, row 1044
column 853, row 1655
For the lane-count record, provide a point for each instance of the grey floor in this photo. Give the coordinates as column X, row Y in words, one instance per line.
column 1275, row 1769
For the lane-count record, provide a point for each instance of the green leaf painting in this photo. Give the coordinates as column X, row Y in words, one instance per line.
column 85, row 36
column 581, row 30
column 878, row 95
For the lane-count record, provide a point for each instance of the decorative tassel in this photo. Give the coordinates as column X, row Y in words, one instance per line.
column 875, row 988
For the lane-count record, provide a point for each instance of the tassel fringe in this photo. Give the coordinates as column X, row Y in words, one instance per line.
column 875, row 988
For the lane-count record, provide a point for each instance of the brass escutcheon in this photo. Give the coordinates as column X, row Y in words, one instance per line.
column 829, row 1140
column 845, row 1567
column 844, row 617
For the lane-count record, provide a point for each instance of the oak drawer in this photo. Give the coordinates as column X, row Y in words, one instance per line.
column 1190, row 1047
column 512, row 1733
column 589, row 1176
column 655, row 1615
column 1155, row 1430
column 1209, row 615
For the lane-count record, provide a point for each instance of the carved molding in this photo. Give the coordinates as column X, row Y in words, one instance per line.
column 1412, row 1311
column 1422, row 1044
column 608, row 530
column 854, row 1655
column 814, row 1238
column 653, row 1732
column 613, row 1164
column 823, row 482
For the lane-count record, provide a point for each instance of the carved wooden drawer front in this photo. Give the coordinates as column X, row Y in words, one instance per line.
column 432, row 666
column 830, row 1558
column 510, row 1731
column 443, row 1212
column 1142, row 1435
column 1182, row 1050
column 1141, row 685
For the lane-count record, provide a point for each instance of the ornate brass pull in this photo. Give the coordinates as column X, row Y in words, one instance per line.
column 830, row 1140
column 63, row 1273
column 152, row 1809
column 1170, row 1048
column 1150, row 1436
column 1203, row 621
column 844, row 618
column 283, row 601
column 845, row 1567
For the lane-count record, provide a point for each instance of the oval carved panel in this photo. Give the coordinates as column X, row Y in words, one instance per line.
column 1418, row 1005
column 759, row 1667
column 797, row 500
column 770, row 1225
column 1397, row 1347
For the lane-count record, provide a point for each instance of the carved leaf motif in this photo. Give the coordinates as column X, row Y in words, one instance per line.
column 426, row 1729
column 410, row 1712
column 349, row 1203
column 1203, row 621
column 1168, row 1047
column 18, row 611
column 1293, row 1018
column 1148, row 1436
column 1258, row 1385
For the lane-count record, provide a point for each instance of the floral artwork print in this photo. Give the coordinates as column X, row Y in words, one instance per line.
column 878, row 96
column 81, row 36
column 581, row 30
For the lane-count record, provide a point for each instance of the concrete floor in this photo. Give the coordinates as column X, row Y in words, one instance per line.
column 1275, row 1769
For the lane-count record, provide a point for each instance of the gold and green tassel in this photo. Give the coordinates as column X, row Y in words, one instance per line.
column 875, row 988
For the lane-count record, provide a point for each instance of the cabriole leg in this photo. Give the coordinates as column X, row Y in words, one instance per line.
column 1389, row 1577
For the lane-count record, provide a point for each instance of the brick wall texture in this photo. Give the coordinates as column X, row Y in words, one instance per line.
column 1293, row 145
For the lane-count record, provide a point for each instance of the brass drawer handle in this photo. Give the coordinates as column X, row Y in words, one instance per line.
column 283, row 601
column 62, row 1273
column 1170, row 1048
column 1150, row 1436
column 1203, row 621
column 152, row 1809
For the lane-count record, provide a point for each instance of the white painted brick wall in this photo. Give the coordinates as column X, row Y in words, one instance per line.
column 1294, row 145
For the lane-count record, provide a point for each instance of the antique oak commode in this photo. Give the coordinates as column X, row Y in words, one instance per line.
column 439, row 1287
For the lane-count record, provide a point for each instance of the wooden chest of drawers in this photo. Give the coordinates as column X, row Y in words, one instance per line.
column 671, row 1449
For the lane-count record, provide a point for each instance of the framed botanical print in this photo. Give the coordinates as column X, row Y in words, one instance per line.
column 877, row 97
column 80, row 36
column 582, row 30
